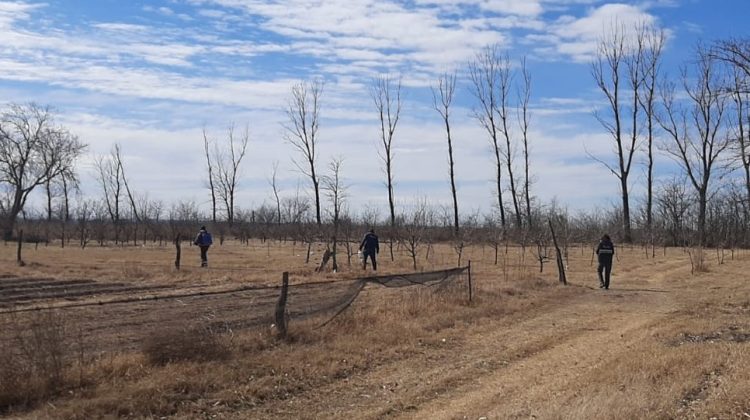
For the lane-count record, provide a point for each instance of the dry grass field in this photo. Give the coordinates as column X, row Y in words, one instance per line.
column 661, row 343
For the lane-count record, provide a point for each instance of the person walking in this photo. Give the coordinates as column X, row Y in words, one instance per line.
column 370, row 247
column 605, row 251
column 204, row 241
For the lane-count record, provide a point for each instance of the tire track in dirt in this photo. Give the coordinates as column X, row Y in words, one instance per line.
column 545, row 377
column 504, row 368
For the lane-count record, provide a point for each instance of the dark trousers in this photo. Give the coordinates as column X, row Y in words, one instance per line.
column 606, row 268
column 370, row 254
column 204, row 256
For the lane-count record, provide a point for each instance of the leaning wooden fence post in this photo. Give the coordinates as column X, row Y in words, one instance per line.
column 281, row 305
column 19, row 260
column 558, row 254
column 469, row 271
column 178, row 250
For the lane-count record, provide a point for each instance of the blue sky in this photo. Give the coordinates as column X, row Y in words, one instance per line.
column 151, row 74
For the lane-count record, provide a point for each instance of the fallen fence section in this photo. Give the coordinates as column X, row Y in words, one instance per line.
column 339, row 296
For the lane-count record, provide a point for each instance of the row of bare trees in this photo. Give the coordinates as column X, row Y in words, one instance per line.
column 698, row 119
column 418, row 229
column 493, row 82
column 645, row 113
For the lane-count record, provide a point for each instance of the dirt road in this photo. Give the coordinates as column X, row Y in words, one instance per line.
column 590, row 354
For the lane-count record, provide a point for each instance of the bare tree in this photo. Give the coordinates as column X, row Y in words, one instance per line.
column 209, row 168
column 115, row 188
column 524, row 120
column 652, row 41
column 60, row 187
column 228, row 161
column 442, row 97
column 295, row 209
column 634, row 58
column 484, row 72
column 109, row 179
column 386, row 95
column 70, row 183
column 121, row 170
column 303, row 114
column 415, row 229
column 503, row 113
column 672, row 204
column 696, row 136
column 33, row 150
column 336, row 191
column 607, row 71
column 737, row 53
column 275, row 188
column 742, row 144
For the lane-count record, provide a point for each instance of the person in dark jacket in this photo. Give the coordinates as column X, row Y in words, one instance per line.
column 204, row 241
column 605, row 251
column 370, row 247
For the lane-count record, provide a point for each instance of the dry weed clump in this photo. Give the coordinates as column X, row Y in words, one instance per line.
column 197, row 342
column 36, row 356
column 698, row 262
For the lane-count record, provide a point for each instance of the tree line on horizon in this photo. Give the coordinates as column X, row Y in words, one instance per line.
column 699, row 119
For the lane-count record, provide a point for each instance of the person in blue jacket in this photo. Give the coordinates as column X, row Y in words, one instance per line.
column 605, row 251
column 370, row 247
column 204, row 241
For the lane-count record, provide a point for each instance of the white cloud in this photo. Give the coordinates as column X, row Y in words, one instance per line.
column 513, row 7
column 11, row 11
column 153, row 87
column 376, row 27
column 150, row 84
column 578, row 37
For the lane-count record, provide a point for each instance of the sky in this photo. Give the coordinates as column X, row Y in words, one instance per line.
column 151, row 75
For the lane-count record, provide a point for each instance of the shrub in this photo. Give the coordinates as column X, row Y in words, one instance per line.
column 34, row 358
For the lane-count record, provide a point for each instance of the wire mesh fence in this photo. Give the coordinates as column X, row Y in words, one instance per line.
column 123, row 318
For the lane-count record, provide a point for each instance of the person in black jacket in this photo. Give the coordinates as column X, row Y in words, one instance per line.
column 370, row 247
column 605, row 251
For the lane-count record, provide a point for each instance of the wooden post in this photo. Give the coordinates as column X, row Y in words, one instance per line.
column 281, row 305
column 179, row 251
column 558, row 254
column 469, row 270
column 19, row 260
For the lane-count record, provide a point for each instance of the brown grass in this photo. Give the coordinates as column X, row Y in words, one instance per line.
column 660, row 344
column 38, row 358
column 198, row 343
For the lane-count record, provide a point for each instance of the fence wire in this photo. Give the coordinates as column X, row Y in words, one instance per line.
column 114, row 317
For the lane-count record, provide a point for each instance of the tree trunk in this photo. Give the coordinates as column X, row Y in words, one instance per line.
column 19, row 260
column 560, row 265
column 317, row 195
column 627, row 234
column 702, row 201
column 500, row 187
